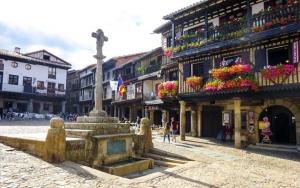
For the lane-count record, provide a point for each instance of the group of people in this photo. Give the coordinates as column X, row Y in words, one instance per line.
column 170, row 129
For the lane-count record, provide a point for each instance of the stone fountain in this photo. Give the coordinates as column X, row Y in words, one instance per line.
column 107, row 145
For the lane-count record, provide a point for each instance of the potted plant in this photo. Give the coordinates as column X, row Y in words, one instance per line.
column 194, row 81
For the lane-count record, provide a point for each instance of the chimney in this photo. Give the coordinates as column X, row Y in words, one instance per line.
column 17, row 50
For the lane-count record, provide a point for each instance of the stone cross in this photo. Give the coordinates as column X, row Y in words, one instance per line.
column 101, row 38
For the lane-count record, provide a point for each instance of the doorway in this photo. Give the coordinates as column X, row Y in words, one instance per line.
column 211, row 121
column 283, row 124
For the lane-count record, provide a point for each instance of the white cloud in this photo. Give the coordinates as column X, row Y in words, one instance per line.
column 128, row 24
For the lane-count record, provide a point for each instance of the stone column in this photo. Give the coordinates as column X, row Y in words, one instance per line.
column 130, row 114
column 146, row 112
column 151, row 117
column 63, row 106
column 182, row 120
column 237, row 123
column 30, row 106
column 164, row 117
column 194, row 122
column 101, row 38
column 41, row 110
column 199, row 114
column 115, row 112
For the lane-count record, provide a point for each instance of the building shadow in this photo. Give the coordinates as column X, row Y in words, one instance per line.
column 189, row 179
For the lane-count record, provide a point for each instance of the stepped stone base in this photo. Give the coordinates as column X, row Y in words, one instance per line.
column 97, row 119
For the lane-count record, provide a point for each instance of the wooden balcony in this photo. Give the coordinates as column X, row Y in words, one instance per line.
column 280, row 84
column 266, row 24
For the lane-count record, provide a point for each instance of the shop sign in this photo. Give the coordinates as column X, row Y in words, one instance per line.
column 296, row 52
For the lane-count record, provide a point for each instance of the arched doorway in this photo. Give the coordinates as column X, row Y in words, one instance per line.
column 283, row 125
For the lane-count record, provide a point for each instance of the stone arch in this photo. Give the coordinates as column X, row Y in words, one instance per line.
column 279, row 102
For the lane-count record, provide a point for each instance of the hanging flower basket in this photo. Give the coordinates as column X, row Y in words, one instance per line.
column 224, row 73
column 169, row 88
column 168, row 52
column 194, row 81
column 271, row 73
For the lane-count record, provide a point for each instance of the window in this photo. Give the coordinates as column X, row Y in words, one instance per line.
column 51, row 88
column 90, row 94
column 197, row 69
column 27, row 81
column 1, row 65
column 13, row 79
column 105, row 93
column 128, row 70
column 40, row 84
column 173, row 76
column 108, row 75
column 279, row 55
column 46, row 57
column 52, row 72
column 61, row 87
column 138, row 90
column 169, row 41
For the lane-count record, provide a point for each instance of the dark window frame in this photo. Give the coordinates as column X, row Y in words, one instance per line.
column 61, row 87
column 40, row 85
column 52, row 72
column 26, row 81
column 13, row 79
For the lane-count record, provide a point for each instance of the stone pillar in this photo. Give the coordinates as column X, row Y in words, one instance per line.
column 199, row 114
column 182, row 120
column 146, row 113
column 50, row 108
column 130, row 114
column 41, row 110
column 164, row 117
column 101, row 38
column 152, row 117
column 237, row 123
column 63, row 106
column 30, row 106
column 115, row 112
column 55, row 145
column 194, row 122
column 146, row 131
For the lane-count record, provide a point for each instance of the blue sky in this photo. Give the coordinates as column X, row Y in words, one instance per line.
column 64, row 27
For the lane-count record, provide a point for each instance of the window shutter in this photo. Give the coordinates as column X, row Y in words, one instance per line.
column 207, row 65
column 260, row 59
column 186, row 70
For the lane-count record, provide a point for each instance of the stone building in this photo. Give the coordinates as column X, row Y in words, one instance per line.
column 73, row 92
column 32, row 82
column 213, row 40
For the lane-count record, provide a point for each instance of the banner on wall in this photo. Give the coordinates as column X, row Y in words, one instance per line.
column 296, row 52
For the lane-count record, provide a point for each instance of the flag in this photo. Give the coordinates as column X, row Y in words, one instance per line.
column 120, row 87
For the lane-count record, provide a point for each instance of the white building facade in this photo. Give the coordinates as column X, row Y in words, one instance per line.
column 34, row 82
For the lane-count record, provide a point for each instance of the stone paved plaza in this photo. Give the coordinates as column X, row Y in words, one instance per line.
column 214, row 165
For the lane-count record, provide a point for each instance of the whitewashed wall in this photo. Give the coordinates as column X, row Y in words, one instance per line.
column 37, row 72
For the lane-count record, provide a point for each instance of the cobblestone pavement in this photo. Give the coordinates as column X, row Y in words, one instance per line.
column 215, row 165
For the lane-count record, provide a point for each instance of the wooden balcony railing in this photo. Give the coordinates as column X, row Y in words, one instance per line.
column 265, row 20
column 292, row 79
column 269, row 19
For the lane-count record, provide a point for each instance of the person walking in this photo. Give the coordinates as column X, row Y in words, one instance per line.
column 174, row 129
column 167, row 131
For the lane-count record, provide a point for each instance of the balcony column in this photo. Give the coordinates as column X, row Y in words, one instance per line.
column 206, row 25
column 30, row 106
column 249, row 15
column 199, row 114
column 237, row 123
column 194, row 122
column 180, row 78
column 173, row 34
column 182, row 120
column 114, row 111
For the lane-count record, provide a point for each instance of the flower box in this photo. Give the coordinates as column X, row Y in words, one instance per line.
column 169, row 88
column 194, row 81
